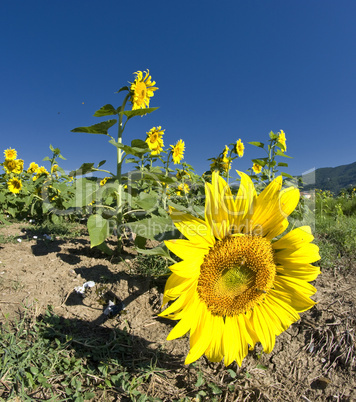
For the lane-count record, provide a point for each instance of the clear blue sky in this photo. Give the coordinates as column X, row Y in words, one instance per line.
column 225, row 70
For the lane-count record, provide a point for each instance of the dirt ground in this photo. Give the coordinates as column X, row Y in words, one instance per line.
column 314, row 360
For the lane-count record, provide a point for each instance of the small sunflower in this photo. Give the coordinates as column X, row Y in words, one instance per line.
column 178, row 151
column 142, row 90
column 10, row 165
column 257, row 168
column 32, row 168
column 19, row 166
column 10, row 153
column 183, row 187
column 236, row 285
column 103, row 181
column 42, row 170
column 14, row 185
column 282, row 140
column 239, row 148
column 154, row 140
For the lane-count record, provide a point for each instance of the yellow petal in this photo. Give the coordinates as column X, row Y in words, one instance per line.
column 306, row 272
column 307, row 254
column 201, row 336
column 245, row 201
column 266, row 202
column 264, row 327
column 278, row 229
column 272, row 208
column 295, row 238
column 188, row 321
column 236, row 339
column 188, row 269
column 286, row 313
column 294, row 292
column 175, row 286
column 231, row 340
column 214, row 214
column 215, row 352
column 180, row 305
column 192, row 228
column 186, row 250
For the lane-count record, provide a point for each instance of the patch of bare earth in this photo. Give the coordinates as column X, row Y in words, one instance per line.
column 314, row 360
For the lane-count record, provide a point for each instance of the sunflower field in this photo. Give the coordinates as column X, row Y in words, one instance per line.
column 227, row 265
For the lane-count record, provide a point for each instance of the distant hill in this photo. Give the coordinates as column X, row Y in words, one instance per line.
column 333, row 179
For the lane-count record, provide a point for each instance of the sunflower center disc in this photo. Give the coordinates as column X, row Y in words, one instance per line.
column 236, row 274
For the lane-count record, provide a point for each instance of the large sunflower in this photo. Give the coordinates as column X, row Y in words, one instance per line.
column 142, row 90
column 236, row 285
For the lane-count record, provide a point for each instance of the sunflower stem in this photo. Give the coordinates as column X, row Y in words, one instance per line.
column 119, row 174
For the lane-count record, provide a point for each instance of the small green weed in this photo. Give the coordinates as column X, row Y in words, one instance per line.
column 47, row 357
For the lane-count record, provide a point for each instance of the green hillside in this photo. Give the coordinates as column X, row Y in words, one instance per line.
column 333, row 179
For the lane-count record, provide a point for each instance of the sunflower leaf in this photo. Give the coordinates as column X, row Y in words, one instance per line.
column 106, row 110
column 98, row 229
column 100, row 128
column 280, row 153
column 287, row 175
column 257, row 144
column 126, row 88
column 261, row 162
column 85, row 168
column 138, row 112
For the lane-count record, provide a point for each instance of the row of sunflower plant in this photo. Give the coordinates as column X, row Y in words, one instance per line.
column 34, row 192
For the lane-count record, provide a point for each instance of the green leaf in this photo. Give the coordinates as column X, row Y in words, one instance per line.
column 280, row 153
column 107, row 110
column 273, row 136
column 146, row 201
column 139, row 144
column 129, row 150
column 100, row 128
column 84, row 169
column 46, row 158
column 138, row 112
column 154, row 228
column 140, row 242
column 200, row 380
column 282, row 164
column 101, row 163
column 84, row 192
column 34, row 370
column 257, row 144
column 160, row 250
column 261, row 162
column 130, row 160
column 280, row 145
column 105, row 248
column 98, row 229
column 126, row 88
column 261, row 367
column 287, row 175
